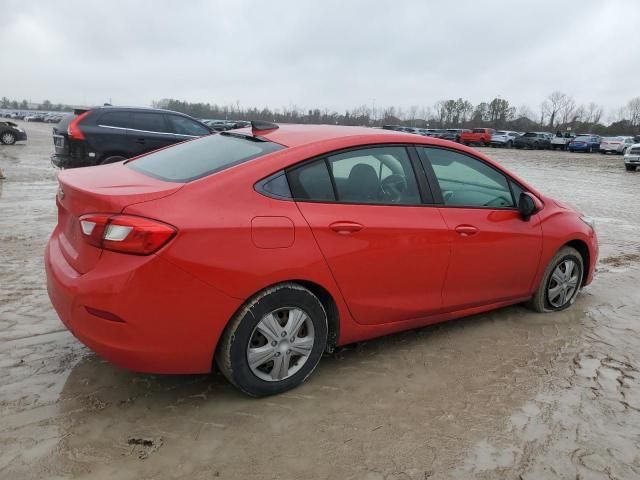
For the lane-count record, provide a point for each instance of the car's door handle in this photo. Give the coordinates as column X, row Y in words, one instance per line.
column 466, row 230
column 141, row 141
column 345, row 228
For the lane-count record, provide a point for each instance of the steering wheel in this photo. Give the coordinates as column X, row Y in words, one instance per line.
column 393, row 187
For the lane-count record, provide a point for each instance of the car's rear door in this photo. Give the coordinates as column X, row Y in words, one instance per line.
column 109, row 135
column 387, row 248
column 495, row 254
column 149, row 131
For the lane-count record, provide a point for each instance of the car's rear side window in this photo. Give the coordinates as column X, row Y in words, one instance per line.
column 115, row 119
column 201, row 157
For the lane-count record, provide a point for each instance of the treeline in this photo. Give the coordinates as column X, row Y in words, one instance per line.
column 9, row 104
column 558, row 111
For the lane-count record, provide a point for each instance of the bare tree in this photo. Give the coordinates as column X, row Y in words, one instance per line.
column 556, row 103
column 633, row 111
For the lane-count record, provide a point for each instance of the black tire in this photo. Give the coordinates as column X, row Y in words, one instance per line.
column 571, row 150
column 518, row 147
column 112, row 159
column 466, row 143
column 553, row 147
column 231, row 354
column 536, row 146
column 588, row 150
column 509, row 144
column 8, row 138
column 540, row 301
column 630, row 168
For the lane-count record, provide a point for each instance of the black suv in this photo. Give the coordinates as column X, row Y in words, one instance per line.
column 111, row 134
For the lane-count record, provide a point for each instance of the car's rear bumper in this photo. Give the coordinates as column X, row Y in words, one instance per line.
column 159, row 319
column 583, row 148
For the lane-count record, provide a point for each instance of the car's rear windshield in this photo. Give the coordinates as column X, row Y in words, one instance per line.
column 530, row 134
column 478, row 130
column 500, row 133
column 198, row 158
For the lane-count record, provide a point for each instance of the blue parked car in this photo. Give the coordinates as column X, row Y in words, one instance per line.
column 585, row 143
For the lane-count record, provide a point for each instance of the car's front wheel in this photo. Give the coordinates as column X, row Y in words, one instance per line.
column 560, row 283
column 630, row 168
column 275, row 341
column 8, row 138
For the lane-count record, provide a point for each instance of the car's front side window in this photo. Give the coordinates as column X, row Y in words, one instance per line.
column 468, row 182
column 148, row 122
column 186, row 126
column 375, row 175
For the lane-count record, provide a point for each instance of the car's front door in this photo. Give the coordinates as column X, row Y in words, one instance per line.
column 149, row 131
column 387, row 250
column 494, row 253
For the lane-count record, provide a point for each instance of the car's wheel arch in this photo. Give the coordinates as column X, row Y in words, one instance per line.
column 583, row 250
column 322, row 293
column 112, row 153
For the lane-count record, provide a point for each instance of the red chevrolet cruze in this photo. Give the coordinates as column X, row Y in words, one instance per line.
column 258, row 250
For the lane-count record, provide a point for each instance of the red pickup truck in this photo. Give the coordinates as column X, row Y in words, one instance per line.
column 481, row 136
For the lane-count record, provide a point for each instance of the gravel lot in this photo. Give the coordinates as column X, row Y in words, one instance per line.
column 508, row 394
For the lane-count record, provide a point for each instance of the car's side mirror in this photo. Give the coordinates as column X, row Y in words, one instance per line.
column 527, row 206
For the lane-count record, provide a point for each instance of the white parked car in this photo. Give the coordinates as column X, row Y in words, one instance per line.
column 504, row 138
column 617, row 145
column 632, row 157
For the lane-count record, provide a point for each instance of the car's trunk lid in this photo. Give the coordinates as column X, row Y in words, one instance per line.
column 103, row 189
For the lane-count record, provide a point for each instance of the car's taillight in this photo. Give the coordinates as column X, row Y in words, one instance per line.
column 73, row 130
column 125, row 233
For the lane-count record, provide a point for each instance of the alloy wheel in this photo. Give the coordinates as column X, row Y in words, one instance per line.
column 8, row 138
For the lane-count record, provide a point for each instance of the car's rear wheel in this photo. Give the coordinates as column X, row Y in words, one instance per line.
column 536, row 145
column 8, row 138
column 275, row 341
column 509, row 144
column 630, row 168
column 560, row 283
column 112, row 159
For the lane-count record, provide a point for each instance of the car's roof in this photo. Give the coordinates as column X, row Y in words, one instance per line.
column 292, row 135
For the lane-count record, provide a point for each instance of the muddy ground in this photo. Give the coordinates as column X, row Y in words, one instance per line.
column 508, row 394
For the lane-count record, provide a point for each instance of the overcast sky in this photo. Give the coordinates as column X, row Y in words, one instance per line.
column 324, row 53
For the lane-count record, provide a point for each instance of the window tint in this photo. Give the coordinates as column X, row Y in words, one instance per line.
column 149, row 122
column 197, row 158
column 375, row 175
column 186, row 126
column 311, row 181
column 115, row 119
column 466, row 181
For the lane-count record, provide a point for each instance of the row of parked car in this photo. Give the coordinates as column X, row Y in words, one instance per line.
column 45, row 117
column 570, row 141
column 224, row 125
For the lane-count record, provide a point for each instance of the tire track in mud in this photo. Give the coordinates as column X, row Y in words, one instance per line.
column 586, row 423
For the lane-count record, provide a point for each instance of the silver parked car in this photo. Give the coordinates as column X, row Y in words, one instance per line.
column 617, row 145
column 504, row 138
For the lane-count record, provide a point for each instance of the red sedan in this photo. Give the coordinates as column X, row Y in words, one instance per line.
column 258, row 250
